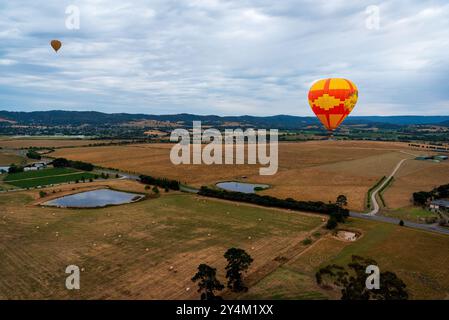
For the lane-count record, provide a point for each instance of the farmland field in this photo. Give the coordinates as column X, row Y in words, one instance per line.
column 314, row 170
column 412, row 213
column 12, row 143
column 126, row 251
column 151, row 249
column 6, row 159
column 43, row 177
column 415, row 176
column 419, row 258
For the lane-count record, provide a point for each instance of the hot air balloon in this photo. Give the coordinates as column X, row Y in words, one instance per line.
column 332, row 100
column 56, row 45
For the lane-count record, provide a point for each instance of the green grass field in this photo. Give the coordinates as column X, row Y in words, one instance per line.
column 419, row 258
column 415, row 214
column 30, row 179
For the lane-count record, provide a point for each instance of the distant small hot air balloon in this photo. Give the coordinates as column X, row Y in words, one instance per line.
column 332, row 100
column 56, row 44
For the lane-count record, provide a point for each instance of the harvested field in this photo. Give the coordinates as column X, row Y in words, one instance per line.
column 50, row 143
column 415, row 176
column 126, row 252
column 314, row 170
column 6, row 159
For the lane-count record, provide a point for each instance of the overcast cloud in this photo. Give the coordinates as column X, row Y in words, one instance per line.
column 223, row 57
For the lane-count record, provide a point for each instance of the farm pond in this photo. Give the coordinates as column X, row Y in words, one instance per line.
column 241, row 186
column 94, row 199
column 3, row 169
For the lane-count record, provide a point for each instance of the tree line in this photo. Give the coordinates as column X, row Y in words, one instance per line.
column 65, row 163
column 160, row 182
column 334, row 210
column 421, row 198
column 352, row 281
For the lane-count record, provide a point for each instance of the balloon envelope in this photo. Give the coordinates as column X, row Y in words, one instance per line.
column 56, row 45
column 332, row 100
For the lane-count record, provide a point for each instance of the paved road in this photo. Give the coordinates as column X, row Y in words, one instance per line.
column 376, row 191
column 372, row 215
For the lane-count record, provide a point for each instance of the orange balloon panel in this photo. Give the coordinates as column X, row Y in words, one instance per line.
column 332, row 100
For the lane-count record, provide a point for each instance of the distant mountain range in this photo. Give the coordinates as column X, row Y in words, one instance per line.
column 77, row 118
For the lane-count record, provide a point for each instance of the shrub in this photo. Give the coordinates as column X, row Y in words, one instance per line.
column 331, row 223
column 306, row 241
column 32, row 154
column 15, row 169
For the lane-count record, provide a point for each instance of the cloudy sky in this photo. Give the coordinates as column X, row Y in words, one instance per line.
column 223, row 57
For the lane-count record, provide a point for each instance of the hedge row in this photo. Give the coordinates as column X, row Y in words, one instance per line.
column 160, row 182
column 370, row 191
column 268, row 201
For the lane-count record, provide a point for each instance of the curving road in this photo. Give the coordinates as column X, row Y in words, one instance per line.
column 376, row 191
column 372, row 215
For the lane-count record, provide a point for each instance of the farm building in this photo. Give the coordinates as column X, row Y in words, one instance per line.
column 439, row 205
column 436, row 158
column 422, row 158
column 35, row 166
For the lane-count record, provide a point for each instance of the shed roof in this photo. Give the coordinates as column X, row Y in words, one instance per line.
column 441, row 202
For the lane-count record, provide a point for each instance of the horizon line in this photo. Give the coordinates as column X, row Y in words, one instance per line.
column 216, row 115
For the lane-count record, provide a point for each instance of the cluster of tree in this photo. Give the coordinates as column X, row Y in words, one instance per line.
column 421, row 198
column 335, row 210
column 238, row 263
column 64, row 163
column 13, row 168
column 353, row 281
column 33, row 154
column 160, row 182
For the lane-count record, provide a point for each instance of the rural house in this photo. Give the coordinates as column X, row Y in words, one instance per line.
column 35, row 166
column 439, row 205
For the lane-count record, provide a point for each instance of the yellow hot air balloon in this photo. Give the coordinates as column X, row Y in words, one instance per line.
column 332, row 100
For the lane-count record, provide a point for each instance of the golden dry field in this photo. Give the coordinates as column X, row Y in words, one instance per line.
column 150, row 249
column 415, row 176
column 7, row 158
column 126, row 252
column 313, row 170
column 12, row 143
